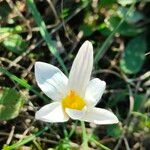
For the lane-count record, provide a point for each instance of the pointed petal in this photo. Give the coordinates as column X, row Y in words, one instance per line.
column 51, row 80
column 52, row 113
column 81, row 69
column 94, row 91
column 75, row 114
column 100, row 116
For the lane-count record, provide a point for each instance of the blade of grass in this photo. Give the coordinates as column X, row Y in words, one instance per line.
column 38, row 146
column 45, row 34
column 109, row 39
column 22, row 82
column 25, row 140
column 99, row 144
column 73, row 129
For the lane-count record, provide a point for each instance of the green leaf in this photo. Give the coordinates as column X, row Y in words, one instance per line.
column 25, row 140
column 11, row 30
column 10, row 104
column 11, row 40
column 94, row 139
column 15, row 43
column 133, row 17
column 125, row 28
column 117, row 97
column 4, row 9
column 127, row 2
column 44, row 33
column 147, row 103
column 144, row 120
column 104, row 30
column 134, row 55
column 64, row 13
column 114, row 131
column 109, row 39
column 138, row 100
column 87, row 29
column 63, row 145
column 106, row 3
column 22, row 82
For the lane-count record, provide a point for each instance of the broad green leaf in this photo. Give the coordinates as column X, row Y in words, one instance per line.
column 125, row 28
column 106, row 3
column 114, row 131
column 116, row 98
column 138, row 100
column 133, row 17
column 4, row 9
column 134, row 55
column 10, row 104
column 11, row 30
column 11, row 40
column 87, row 29
column 15, row 43
column 127, row 2
column 102, row 28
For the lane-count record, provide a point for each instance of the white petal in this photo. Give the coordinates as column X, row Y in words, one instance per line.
column 51, row 80
column 100, row 116
column 52, row 113
column 94, row 91
column 81, row 69
column 75, row 114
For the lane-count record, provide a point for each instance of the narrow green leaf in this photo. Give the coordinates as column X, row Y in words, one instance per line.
column 100, row 145
column 109, row 39
column 134, row 16
column 25, row 140
column 125, row 28
column 44, row 33
column 22, row 82
column 63, row 145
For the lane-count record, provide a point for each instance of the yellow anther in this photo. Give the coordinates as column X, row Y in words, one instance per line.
column 73, row 101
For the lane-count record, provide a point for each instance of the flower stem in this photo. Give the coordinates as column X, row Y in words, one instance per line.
column 73, row 129
column 84, row 136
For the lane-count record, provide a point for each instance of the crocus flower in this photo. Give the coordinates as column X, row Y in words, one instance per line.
column 74, row 97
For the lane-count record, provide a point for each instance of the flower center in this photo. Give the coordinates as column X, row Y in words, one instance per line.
column 73, row 101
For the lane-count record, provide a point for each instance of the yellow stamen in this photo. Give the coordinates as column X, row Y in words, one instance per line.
column 73, row 101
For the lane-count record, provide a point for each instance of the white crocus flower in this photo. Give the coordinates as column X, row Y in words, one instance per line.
column 74, row 97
